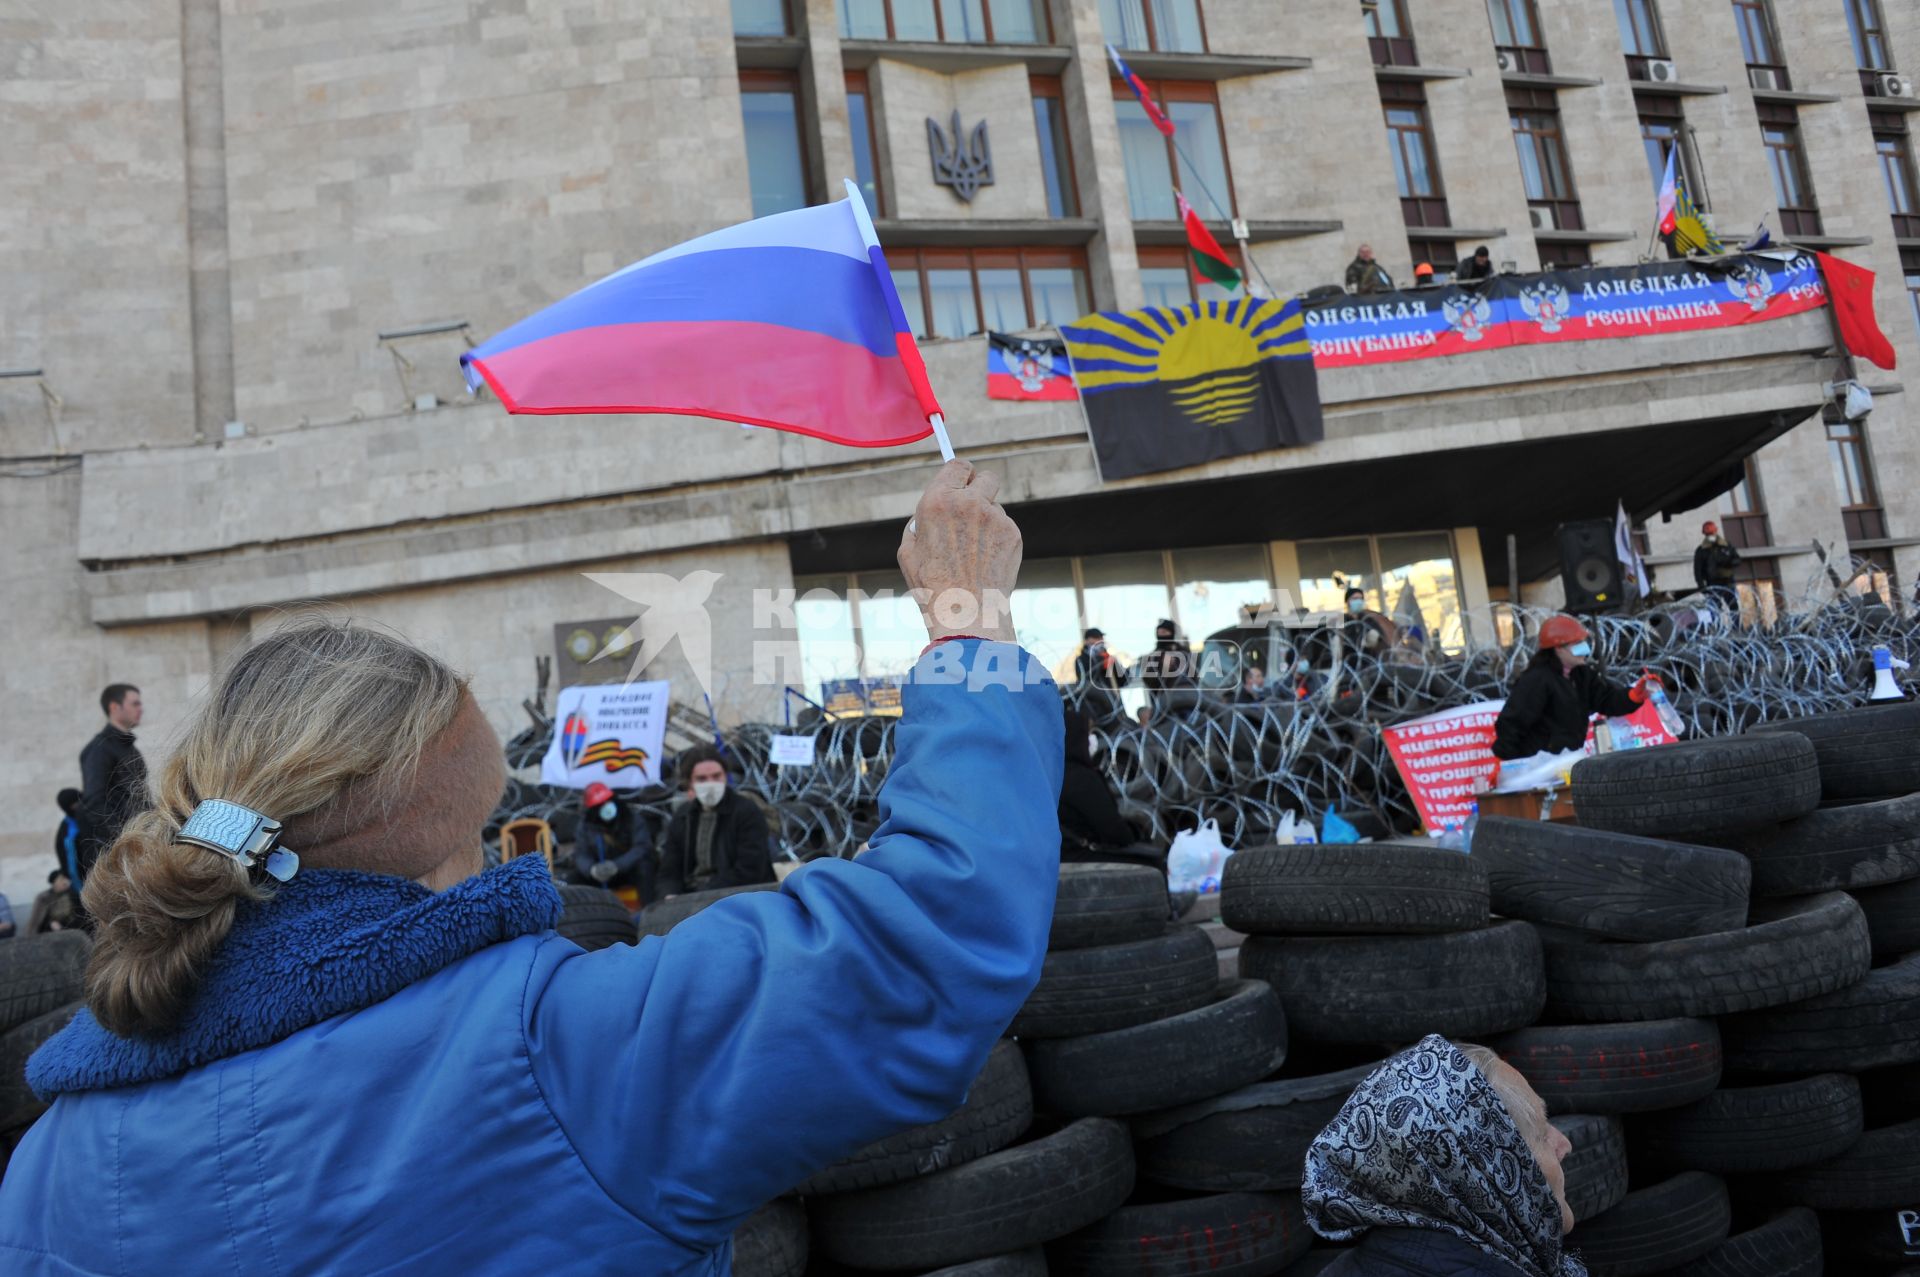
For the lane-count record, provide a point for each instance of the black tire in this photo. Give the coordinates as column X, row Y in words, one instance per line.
column 1818, row 946
column 1596, row 1167
column 1116, row 986
column 773, row 1241
column 1024, row 1263
column 1881, row 1170
column 662, row 916
column 593, row 917
column 1870, row 1024
column 1616, row 1068
column 1864, row 845
column 1229, row 1234
column 1395, row 989
column 39, row 973
column 1253, row 1139
column 1391, row 888
column 1006, row 1201
column 1615, row 886
column 1893, row 918
column 1107, row 904
column 18, row 1104
column 1238, row 1039
column 1863, row 753
column 1741, row 1130
column 998, row 1110
column 1657, row 1228
column 1700, row 787
column 1788, row 1245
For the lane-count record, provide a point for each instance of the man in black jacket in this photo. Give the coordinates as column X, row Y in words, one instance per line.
column 717, row 838
column 612, row 845
column 113, row 776
column 1548, row 708
column 1714, row 563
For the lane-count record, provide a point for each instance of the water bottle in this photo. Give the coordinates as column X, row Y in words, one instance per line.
column 1466, row 830
column 1669, row 716
column 1304, row 833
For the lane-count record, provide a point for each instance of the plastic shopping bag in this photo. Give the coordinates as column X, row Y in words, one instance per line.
column 1196, row 858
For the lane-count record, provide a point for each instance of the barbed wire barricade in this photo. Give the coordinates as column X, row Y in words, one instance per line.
column 1248, row 765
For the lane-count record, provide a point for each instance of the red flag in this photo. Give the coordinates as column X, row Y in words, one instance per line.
column 1850, row 289
column 1210, row 261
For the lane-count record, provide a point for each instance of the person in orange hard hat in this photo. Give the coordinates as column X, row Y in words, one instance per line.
column 1547, row 711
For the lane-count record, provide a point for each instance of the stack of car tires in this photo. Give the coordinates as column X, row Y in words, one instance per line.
column 40, row 990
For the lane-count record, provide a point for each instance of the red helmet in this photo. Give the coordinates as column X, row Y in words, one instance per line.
column 596, row 794
column 1561, row 630
column 1709, row 528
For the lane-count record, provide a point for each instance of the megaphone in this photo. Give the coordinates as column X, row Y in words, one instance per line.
column 1884, row 664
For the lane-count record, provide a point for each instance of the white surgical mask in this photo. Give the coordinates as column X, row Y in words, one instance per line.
column 608, row 810
column 1093, row 745
column 709, row 792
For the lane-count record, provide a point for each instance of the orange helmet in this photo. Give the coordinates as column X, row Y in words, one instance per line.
column 596, row 794
column 1561, row 630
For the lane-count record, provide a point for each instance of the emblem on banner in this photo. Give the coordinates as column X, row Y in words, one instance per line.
column 1467, row 314
column 1030, row 363
column 965, row 165
column 1750, row 284
column 1545, row 304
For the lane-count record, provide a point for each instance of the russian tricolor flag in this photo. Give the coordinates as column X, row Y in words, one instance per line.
column 790, row 321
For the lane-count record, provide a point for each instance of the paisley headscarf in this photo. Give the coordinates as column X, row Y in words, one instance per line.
column 1426, row 1142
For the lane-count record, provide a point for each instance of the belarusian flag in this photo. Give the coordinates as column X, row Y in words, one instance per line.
column 1210, row 261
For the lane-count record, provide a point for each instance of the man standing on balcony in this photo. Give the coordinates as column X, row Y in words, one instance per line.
column 1364, row 275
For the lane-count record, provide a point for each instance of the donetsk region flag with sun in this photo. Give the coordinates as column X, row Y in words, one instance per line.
column 1173, row 386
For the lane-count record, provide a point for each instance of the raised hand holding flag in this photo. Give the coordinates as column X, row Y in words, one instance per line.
column 789, row 321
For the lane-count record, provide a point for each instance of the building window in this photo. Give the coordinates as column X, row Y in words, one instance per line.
column 1411, row 578
column 1760, row 43
column 1516, row 33
column 1639, row 30
column 1443, row 255
column 1554, row 256
column 1869, row 35
column 949, row 21
column 1168, row 277
column 1416, row 169
column 1853, row 480
column 1663, row 127
column 761, row 17
column 1170, row 26
column 956, row 292
column 1890, row 139
column 1743, row 520
column 1155, row 169
column 1389, row 35
column 776, row 153
column 1056, row 149
column 1535, row 117
column 1910, row 268
column 1786, row 159
column 860, row 122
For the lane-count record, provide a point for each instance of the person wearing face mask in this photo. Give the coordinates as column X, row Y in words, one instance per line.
column 717, row 838
column 1442, row 1164
column 1097, row 665
column 1367, row 631
column 613, row 846
column 1551, row 701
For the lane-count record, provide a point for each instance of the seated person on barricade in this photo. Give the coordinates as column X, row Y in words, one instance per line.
column 613, row 847
column 1442, row 1163
column 1092, row 830
column 1551, row 701
column 717, row 838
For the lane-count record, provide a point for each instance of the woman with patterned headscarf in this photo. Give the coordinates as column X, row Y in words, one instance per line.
column 1443, row 1164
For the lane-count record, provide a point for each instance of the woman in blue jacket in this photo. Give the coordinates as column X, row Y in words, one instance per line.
column 389, row 1063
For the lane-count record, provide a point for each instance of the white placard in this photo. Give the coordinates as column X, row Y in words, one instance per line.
column 612, row 733
column 791, row 751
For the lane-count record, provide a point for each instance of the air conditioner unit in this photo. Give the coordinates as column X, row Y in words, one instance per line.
column 1661, row 71
column 1506, row 62
column 1889, row 85
column 1543, row 219
column 1764, row 77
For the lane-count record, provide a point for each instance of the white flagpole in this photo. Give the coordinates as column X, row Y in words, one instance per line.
column 872, row 240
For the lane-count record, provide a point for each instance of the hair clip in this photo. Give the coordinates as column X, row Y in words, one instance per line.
column 240, row 832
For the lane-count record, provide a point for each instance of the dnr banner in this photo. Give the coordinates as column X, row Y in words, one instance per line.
column 1172, row 386
column 1561, row 306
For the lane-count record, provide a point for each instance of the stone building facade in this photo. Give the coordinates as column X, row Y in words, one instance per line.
column 243, row 244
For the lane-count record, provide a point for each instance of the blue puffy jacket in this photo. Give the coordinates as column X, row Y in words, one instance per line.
column 374, row 1079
